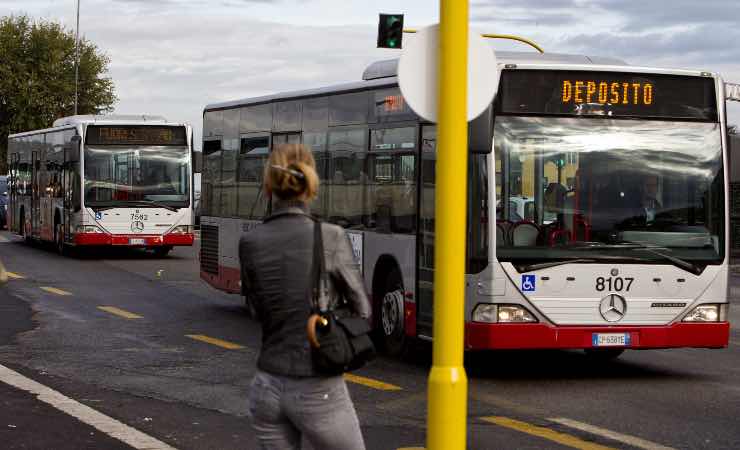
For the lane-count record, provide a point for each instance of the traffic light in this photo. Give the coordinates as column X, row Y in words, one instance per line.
column 390, row 31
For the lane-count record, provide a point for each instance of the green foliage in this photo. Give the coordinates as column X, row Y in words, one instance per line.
column 37, row 77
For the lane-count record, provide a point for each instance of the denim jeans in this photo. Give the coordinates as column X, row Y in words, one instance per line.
column 286, row 409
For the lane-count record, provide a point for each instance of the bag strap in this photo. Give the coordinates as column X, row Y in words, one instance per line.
column 319, row 267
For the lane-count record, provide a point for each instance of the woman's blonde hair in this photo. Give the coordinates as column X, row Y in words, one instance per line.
column 290, row 173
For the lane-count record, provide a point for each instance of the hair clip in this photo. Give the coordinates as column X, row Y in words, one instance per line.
column 293, row 172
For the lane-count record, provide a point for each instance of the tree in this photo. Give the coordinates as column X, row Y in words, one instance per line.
column 37, row 77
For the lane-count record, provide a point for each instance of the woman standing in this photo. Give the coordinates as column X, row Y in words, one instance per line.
column 288, row 398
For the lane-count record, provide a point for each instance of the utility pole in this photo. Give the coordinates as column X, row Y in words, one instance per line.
column 448, row 383
column 77, row 56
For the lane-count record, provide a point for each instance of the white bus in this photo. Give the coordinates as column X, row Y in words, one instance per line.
column 112, row 180
column 621, row 241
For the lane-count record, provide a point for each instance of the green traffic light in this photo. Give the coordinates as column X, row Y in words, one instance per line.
column 390, row 31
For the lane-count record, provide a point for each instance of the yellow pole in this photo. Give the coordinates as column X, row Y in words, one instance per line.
column 448, row 384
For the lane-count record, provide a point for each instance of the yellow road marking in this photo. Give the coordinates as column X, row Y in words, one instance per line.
column 545, row 433
column 120, row 312
column 214, row 341
column 369, row 382
column 411, row 448
column 55, row 290
column 14, row 275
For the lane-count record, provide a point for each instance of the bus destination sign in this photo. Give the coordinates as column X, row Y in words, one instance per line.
column 135, row 135
column 613, row 94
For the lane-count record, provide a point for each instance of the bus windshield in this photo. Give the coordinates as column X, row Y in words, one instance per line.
column 116, row 175
column 600, row 188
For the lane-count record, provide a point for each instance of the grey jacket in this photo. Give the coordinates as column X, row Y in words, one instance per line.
column 276, row 271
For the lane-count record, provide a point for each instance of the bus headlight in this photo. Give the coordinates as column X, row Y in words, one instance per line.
column 87, row 229
column 182, row 229
column 707, row 313
column 514, row 314
column 485, row 312
column 492, row 313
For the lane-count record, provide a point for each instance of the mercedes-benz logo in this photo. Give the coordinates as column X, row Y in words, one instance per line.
column 137, row 226
column 613, row 307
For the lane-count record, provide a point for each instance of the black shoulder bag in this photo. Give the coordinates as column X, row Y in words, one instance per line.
column 339, row 342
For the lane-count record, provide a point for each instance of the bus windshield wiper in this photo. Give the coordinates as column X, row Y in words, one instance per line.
column 154, row 203
column 600, row 259
column 547, row 265
column 593, row 245
column 106, row 205
column 678, row 262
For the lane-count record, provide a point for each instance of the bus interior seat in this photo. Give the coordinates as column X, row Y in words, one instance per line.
column 505, row 227
column 559, row 237
column 524, row 234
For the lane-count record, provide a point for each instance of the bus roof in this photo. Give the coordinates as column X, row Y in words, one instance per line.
column 109, row 118
column 100, row 119
column 383, row 73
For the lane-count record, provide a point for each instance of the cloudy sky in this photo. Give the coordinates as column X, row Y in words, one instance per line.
column 172, row 57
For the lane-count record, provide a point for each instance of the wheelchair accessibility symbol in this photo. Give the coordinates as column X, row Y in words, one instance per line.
column 528, row 283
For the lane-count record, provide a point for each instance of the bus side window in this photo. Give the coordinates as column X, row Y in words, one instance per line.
column 346, row 178
column 252, row 156
column 392, row 184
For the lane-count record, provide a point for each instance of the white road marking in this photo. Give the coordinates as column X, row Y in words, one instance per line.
column 84, row 413
column 609, row 434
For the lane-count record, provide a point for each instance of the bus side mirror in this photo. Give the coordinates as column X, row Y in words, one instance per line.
column 480, row 133
column 197, row 162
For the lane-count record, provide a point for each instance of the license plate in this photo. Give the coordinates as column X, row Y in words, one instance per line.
column 137, row 242
column 610, row 339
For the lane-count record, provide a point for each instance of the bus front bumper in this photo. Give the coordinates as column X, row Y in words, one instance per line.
column 133, row 240
column 484, row 336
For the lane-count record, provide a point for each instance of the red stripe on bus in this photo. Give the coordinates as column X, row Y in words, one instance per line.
column 409, row 314
column 481, row 336
column 227, row 279
column 125, row 239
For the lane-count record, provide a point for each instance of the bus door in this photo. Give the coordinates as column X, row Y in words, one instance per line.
column 425, row 238
column 70, row 179
column 13, row 193
column 35, row 190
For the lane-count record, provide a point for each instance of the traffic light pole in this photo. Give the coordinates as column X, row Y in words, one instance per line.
column 448, row 383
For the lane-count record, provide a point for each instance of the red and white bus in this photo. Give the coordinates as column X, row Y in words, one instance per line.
column 111, row 180
column 597, row 201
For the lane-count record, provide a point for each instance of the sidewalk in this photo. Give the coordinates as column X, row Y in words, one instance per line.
column 28, row 423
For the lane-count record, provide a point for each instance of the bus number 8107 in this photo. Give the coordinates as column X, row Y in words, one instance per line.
column 615, row 284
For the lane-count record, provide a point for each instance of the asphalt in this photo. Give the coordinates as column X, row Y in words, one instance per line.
column 25, row 421
column 190, row 394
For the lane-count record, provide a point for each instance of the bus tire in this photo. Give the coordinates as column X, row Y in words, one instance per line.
column 603, row 354
column 162, row 252
column 391, row 331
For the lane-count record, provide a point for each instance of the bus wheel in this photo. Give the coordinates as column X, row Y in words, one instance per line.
column 393, row 336
column 603, row 354
column 161, row 252
column 59, row 239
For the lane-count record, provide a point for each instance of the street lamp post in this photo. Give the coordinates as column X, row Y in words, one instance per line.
column 77, row 56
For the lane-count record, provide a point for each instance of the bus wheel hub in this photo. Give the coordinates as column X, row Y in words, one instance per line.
column 392, row 312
